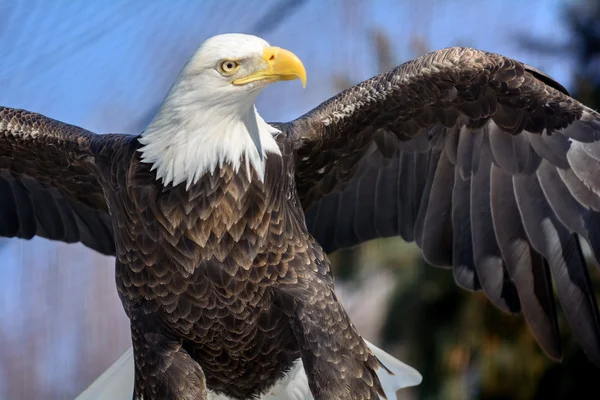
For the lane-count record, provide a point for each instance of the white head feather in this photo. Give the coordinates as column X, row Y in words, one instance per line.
column 206, row 121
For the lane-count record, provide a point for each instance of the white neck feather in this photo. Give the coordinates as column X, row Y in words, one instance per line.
column 191, row 135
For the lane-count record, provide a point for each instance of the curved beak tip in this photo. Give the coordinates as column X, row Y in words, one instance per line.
column 284, row 64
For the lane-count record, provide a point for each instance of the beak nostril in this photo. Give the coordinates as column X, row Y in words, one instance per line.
column 272, row 57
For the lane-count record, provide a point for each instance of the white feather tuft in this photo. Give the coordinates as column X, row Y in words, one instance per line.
column 185, row 152
column 403, row 375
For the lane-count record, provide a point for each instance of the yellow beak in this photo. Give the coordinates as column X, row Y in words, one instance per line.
column 282, row 65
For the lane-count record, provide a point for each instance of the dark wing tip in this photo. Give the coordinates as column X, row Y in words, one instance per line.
column 547, row 79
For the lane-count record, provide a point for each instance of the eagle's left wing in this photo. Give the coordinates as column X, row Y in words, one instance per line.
column 489, row 165
column 48, row 181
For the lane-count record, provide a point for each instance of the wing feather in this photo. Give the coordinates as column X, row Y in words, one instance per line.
column 463, row 263
column 425, row 198
column 412, row 181
column 11, row 223
column 365, row 224
column 489, row 263
column 579, row 190
column 437, row 225
column 551, row 148
column 524, row 265
column 386, row 207
column 562, row 251
column 585, row 167
column 469, row 148
column 571, row 213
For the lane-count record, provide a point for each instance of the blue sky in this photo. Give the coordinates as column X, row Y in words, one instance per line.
column 105, row 65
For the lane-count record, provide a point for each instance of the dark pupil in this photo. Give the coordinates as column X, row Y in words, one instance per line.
column 229, row 65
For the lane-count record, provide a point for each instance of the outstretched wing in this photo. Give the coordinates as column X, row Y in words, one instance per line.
column 48, row 182
column 489, row 165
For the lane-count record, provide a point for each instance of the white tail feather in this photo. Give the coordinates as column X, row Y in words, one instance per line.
column 404, row 375
column 116, row 383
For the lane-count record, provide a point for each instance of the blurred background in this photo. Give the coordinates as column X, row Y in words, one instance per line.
column 106, row 65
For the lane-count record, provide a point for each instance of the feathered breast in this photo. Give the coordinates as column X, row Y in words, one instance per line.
column 201, row 261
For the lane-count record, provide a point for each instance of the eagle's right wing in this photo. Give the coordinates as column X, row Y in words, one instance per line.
column 486, row 163
column 48, row 182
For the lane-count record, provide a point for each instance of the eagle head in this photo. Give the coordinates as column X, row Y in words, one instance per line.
column 208, row 117
column 237, row 63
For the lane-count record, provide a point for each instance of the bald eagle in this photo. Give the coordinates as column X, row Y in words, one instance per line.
column 220, row 222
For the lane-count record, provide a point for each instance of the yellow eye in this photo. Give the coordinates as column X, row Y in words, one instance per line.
column 228, row 67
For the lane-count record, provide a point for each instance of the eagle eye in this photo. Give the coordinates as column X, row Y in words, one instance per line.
column 228, row 67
